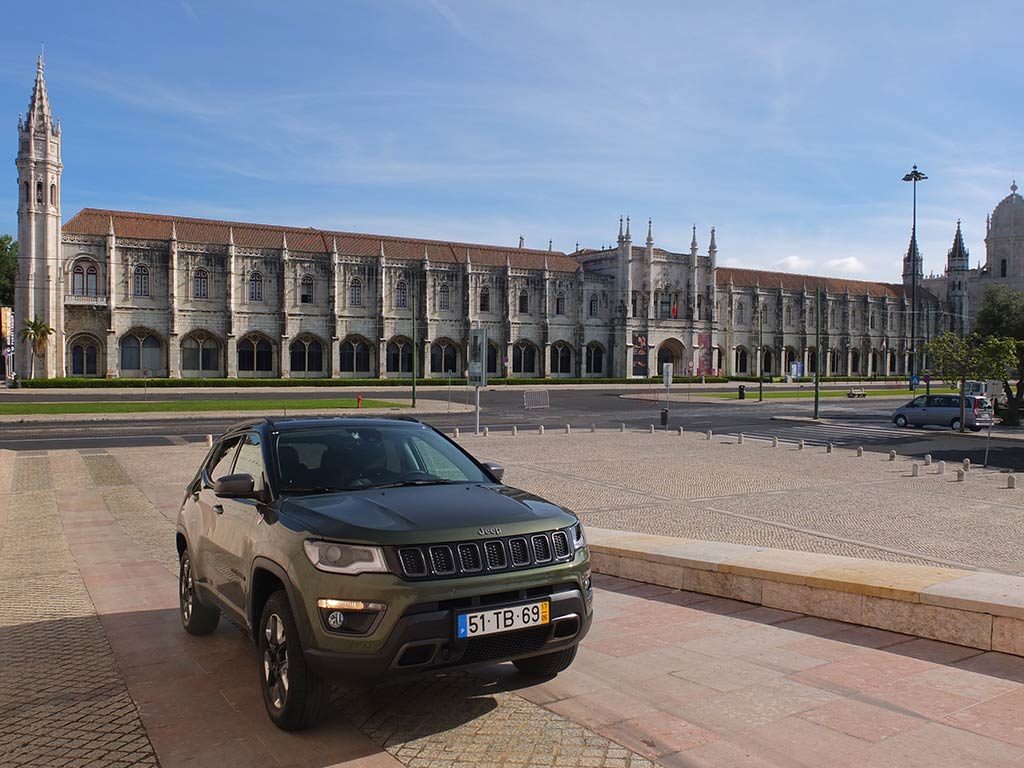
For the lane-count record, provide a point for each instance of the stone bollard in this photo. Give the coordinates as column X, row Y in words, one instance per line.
column 915, row 471
column 800, row 445
column 941, row 468
column 593, row 428
column 775, row 441
column 1011, row 481
column 622, row 427
column 209, row 441
column 652, row 429
column 540, row 430
column 568, row 429
column 967, row 465
column 959, row 475
column 892, row 455
column 860, row 450
column 456, row 435
column 515, row 430
column 739, row 439
column 927, row 459
column 680, row 431
column 487, row 431
column 708, row 434
column 829, row 448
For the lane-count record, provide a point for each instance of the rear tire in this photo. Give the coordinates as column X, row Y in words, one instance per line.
column 292, row 692
column 548, row 665
column 901, row 421
column 196, row 618
column 955, row 425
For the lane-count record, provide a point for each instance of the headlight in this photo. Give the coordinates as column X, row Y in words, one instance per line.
column 578, row 539
column 345, row 558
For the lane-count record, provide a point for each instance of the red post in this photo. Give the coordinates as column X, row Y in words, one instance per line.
column 359, row 401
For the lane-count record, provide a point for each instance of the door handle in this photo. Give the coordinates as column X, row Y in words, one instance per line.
column 218, row 508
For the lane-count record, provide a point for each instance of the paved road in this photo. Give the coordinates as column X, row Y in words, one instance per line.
column 849, row 422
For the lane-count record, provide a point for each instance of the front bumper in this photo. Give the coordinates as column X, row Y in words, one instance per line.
column 418, row 631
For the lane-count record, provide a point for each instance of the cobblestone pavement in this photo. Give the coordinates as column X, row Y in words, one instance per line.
column 755, row 494
column 95, row 670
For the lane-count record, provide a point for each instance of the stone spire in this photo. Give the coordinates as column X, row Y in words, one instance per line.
column 693, row 242
column 550, row 244
column 522, row 242
column 110, row 229
column 174, row 230
column 39, row 113
column 284, row 241
column 650, row 237
column 334, row 245
column 629, row 237
column 912, row 261
column 621, row 236
column 231, row 235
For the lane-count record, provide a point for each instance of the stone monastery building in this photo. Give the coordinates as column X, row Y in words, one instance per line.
column 138, row 294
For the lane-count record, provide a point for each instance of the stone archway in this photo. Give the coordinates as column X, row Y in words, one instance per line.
column 671, row 351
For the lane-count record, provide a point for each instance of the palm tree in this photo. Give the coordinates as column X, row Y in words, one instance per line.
column 37, row 333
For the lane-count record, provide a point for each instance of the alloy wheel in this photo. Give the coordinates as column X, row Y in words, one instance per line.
column 275, row 661
column 186, row 589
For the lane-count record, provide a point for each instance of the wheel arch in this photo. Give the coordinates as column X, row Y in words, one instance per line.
column 266, row 578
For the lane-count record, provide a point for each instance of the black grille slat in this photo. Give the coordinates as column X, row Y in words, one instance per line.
column 412, row 562
column 495, row 553
column 469, row 557
column 541, row 549
column 519, row 552
column 442, row 562
column 561, row 544
column 505, row 645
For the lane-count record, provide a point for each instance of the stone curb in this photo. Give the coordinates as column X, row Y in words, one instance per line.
column 975, row 609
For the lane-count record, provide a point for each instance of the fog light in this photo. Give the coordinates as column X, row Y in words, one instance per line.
column 335, row 619
column 350, row 617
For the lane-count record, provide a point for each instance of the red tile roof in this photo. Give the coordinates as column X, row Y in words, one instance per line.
column 795, row 282
column 150, row 226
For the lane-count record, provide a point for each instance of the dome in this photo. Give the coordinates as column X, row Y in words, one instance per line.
column 1008, row 217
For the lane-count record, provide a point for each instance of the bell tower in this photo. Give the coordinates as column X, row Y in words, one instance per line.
column 39, row 285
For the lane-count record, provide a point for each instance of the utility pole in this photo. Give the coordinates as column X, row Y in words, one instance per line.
column 914, row 176
column 760, row 352
column 415, row 335
column 817, row 348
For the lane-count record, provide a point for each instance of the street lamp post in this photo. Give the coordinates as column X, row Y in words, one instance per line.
column 760, row 354
column 914, row 176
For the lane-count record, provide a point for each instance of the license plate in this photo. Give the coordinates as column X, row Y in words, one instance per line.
column 502, row 619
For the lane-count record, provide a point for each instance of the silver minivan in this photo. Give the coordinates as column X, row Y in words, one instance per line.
column 944, row 411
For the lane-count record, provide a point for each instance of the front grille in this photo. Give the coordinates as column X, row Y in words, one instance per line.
column 466, row 557
column 519, row 551
column 561, row 542
column 506, row 645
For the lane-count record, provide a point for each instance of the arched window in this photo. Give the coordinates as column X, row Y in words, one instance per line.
column 401, row 295
column 141, row 352
column 443, row 357
column 812, row 360
column 742, row 361
column 739, row 313
column 308, row 291
column 789, row 314
column 444, row 298
column 355, row 356
column 595, row 358
column 355, row 293
column 524, row 303
column 832, row 316
column 593, row 305
column 560, row 304
column 492, row 358
column 255, row 354
column 524, row 358
column 255, row 287
column 84, row 357
column 200, row 353
column 871, row 321
column 307, row 354
column 485, row 300
column 201, row 284
column 39, row 192
column 78, row 281
column 1002, row 268
column 561, row 358
column 400, row 356
column 140, row 281
column 53, row 194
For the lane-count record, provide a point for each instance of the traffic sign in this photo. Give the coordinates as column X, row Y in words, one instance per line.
column 914, row 382
column 666, row 372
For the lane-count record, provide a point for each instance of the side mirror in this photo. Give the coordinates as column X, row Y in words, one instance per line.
column 234, row 487
column 495, row 470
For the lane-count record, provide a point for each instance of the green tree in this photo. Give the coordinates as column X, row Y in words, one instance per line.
column 8, row 269
column 975, row 357
column 1002, row 315
column 37, row 333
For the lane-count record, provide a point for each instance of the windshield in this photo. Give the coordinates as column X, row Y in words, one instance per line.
column 356, row 457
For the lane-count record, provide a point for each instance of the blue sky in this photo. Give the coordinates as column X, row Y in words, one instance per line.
column 787, row 126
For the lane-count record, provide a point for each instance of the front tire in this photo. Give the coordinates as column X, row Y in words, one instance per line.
column 901, row 421
column 196, row 618
column 955, row 425
column 548, row 665
column 292, row 692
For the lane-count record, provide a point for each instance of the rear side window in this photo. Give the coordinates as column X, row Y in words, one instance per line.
column 250, row 460
column 219, row 464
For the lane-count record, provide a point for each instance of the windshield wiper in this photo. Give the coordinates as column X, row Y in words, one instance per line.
column 406, row 483
column 318, row 489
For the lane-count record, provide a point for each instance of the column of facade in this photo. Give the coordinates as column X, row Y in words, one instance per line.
column 173, row 347
column 335, row 302
column 231, row 281
column 112, row 269
column 285, row 330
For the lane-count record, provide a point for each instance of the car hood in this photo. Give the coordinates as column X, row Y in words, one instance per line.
column 425, row 514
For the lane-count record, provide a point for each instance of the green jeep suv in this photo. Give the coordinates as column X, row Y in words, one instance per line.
column 365, row 549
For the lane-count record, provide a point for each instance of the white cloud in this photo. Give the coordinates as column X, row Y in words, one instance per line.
column 849, row 265
column 794, row 264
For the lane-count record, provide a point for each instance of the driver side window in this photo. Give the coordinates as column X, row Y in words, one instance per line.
column 919, row 402
column 250, row 461
column 220, row 462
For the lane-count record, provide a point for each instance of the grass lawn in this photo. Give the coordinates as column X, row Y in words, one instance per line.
column 187, row 406
column 809, row 393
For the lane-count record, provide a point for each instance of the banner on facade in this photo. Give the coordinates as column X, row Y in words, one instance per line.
column 704, row 360
column 640, row 354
